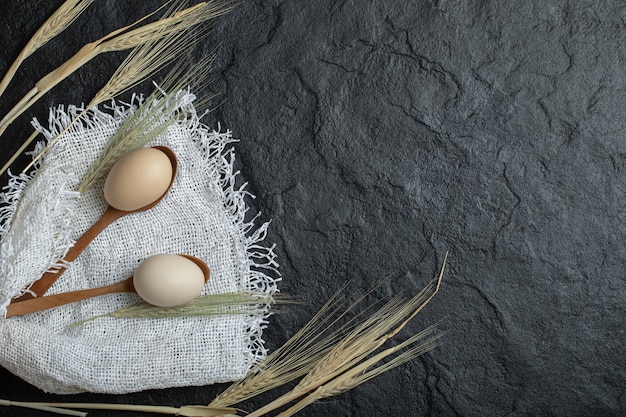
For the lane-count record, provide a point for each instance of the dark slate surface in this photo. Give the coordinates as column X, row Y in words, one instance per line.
column 379, row 134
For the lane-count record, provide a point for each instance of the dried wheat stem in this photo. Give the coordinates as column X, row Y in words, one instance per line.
column 304, row 351
column 316, row 395
column 59, row 21
column 12, row 70
column 366, row 338
column 44, row 85
column 345, row 354
column 141, row 63
column 424, row 303
column 355, row 375
column 189, row 410
column 19, row 152
column 145, row 60
column 162, row 108
column 36, row 406
column 364, row 372
column 119, row 40
column 295, row 357
column 15, row 111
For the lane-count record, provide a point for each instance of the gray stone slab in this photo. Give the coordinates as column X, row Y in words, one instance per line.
column 379, row 134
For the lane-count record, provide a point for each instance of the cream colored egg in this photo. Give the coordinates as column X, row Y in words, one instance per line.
column 168, row 280
column 138, row 179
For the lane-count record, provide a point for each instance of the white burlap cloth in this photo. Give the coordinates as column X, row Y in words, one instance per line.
column 203, row 215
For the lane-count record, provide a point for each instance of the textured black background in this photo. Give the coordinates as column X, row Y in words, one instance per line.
column 377, row 135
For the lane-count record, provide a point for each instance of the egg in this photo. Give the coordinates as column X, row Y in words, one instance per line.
column 168, row 280
column 138, row 179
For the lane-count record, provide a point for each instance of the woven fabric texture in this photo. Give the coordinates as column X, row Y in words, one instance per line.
column 204, row 215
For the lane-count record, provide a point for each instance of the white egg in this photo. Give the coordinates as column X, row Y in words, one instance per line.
column 168, row 280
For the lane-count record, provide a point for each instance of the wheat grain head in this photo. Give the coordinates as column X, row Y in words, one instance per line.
column 58, row 22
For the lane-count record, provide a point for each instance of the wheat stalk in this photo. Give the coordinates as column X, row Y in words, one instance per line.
column 290, row 361
column 340, row 357
column 17, row 153
column 119, row 40
column 299, row 354
column 143, row 61
column 154, row 54
column 57, row 23
column 367, row 370
column 361, row 342
column 41, row 407
column 187, row 410
column 160, row 109
column 204, row 305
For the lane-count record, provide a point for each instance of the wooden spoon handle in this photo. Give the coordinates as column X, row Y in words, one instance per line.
column 50, row 301
column 42, row 285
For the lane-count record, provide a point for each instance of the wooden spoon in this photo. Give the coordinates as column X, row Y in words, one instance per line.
column 111, row 214
column 50, row 301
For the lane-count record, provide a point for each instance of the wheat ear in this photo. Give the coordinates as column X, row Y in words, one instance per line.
column 146, row 65
column 290, row 361
column 246, row 303
column 361, row 342
column 144, row 61
column 133, row 60
column 300, row 353
column 154, row 116
column 417, row 345
column 57, row 23
column 119, row 40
